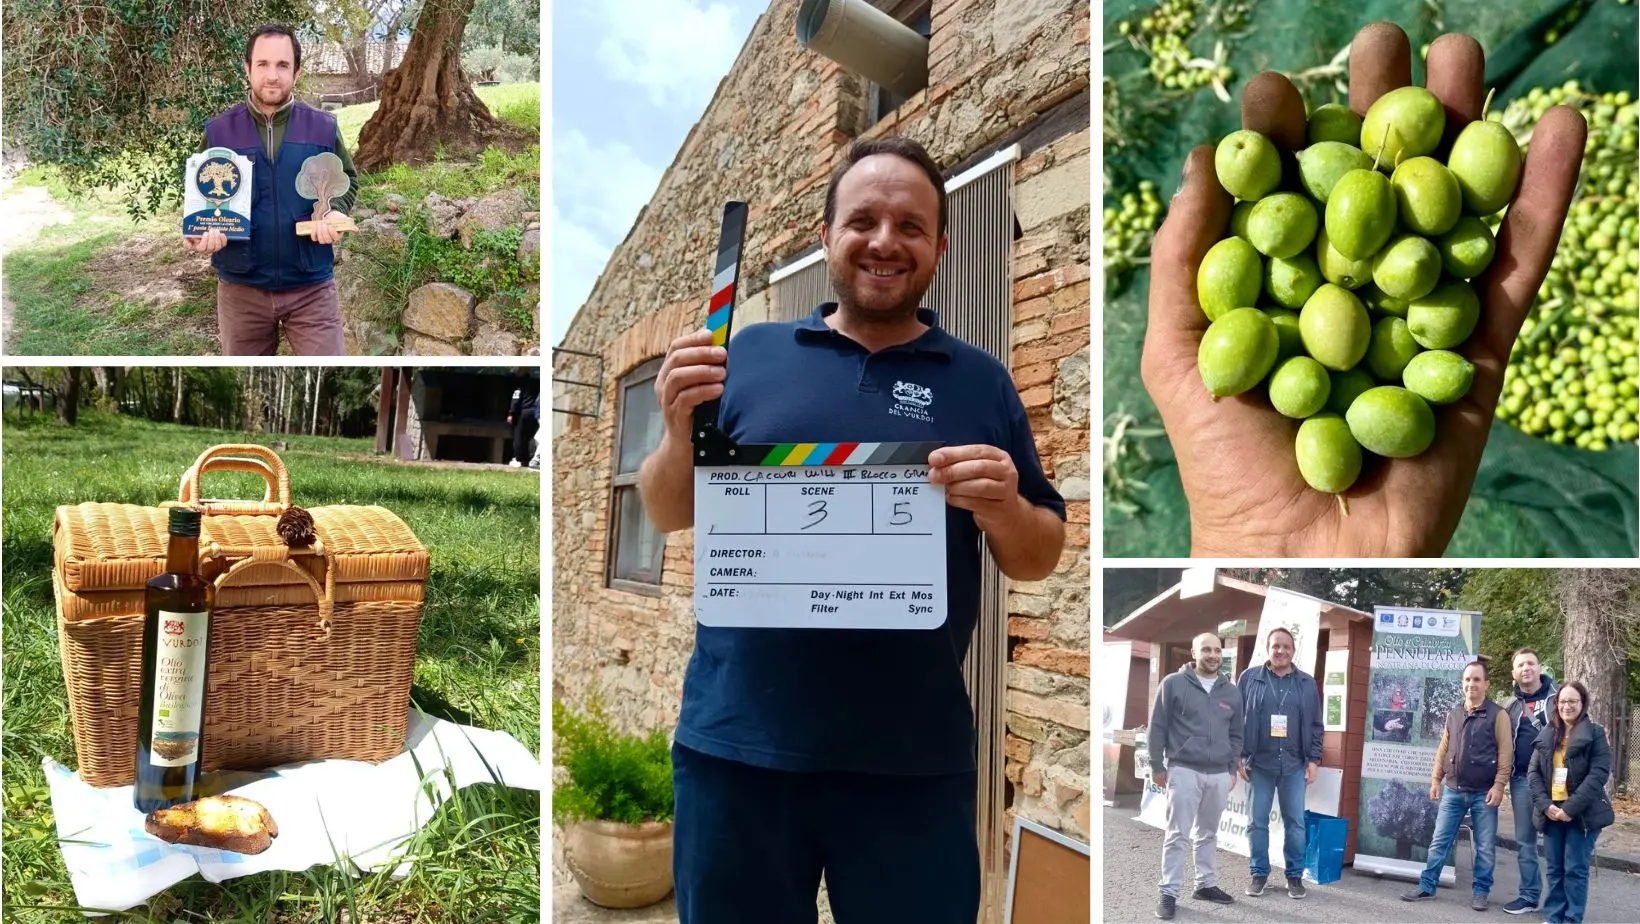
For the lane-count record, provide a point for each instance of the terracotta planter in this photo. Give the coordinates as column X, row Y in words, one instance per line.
column 620, row 866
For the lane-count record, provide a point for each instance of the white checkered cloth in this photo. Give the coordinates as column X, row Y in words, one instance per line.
column 328, row 812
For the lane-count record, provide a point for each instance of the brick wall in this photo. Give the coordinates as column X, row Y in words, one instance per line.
column 779, row 122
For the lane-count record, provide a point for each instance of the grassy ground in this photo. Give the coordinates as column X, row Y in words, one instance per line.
column 103, row 284
column 478, row 663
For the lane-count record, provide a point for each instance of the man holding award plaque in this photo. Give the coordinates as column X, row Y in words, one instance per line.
column 849, row 752
column 267, row 199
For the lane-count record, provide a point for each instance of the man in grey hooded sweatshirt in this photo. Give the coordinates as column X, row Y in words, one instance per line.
column 1195, row 746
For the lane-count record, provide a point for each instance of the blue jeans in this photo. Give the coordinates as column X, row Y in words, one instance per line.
column 1526, row 835
column 1267, row 787
column 1483, row 820
column 1569, row 850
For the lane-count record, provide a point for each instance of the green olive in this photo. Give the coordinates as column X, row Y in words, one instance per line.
column 1328, row 456
column 1237, row 351
column 1392, row 422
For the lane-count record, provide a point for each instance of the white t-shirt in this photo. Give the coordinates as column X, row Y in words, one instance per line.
column 1206, row 682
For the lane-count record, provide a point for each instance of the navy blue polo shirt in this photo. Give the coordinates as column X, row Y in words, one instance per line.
column 884, row 701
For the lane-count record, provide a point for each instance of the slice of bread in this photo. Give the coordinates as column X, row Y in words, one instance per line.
column 228, row 823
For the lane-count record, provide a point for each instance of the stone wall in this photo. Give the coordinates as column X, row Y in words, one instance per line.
column 780, row 121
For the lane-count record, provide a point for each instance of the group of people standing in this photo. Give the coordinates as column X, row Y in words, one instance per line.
column 1539, row 748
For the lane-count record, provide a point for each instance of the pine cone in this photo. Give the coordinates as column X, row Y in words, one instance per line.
column 296, row 527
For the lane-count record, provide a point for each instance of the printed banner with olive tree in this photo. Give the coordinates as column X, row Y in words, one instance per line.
column 1418, row 658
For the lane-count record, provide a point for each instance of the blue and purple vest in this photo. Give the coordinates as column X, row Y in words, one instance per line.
column 275, row 258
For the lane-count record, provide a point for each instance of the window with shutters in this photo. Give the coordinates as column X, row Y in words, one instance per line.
column 635, row 547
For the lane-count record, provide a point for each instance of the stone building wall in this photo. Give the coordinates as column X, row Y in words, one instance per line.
column 780, row 121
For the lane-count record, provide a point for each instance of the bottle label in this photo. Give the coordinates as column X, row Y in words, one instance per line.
column 179, row 688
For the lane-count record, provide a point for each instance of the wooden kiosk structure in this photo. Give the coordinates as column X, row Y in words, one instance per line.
column 1232, row 607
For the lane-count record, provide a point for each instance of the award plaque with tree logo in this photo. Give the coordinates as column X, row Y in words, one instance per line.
column 323, row 180
column 216, row 194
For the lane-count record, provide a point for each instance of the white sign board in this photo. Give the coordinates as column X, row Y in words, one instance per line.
column 1296, row 613
column 1116, row 658
column 819, row 547
column 1335, row 690
column 1196, row 581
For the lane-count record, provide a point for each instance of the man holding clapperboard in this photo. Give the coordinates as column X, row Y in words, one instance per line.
column 302, row 184
column 846, row 750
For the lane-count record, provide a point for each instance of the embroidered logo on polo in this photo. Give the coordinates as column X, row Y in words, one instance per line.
column 912, row 400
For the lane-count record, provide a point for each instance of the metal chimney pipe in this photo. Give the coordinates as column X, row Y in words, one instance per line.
column 867, row 41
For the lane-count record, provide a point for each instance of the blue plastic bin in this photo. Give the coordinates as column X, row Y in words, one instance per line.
column 1324, row 846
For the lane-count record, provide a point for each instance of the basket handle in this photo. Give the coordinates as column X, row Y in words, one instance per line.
column 324, row 594
column 239, row 457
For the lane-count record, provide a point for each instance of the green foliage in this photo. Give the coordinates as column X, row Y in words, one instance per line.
column 612, row 776
column 491, row 267
column 124, row 101
column 511, row 25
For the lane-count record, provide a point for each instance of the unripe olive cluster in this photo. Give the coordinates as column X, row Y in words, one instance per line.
column 1128, row 231
column 1164, row 32
column 1344, row 292
column 1572, row 374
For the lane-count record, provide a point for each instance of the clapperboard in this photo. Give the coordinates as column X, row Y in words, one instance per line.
column 810, row 535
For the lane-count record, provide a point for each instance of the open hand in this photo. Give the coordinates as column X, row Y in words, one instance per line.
column 1247, row 498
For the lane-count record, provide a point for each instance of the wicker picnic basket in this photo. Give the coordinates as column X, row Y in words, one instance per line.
column 312, row 647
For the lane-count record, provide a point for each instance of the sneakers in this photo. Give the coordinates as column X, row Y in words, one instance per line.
column 1478, row 903
column 1165, row 907
column 1417, row 895
column 514, row 463
column 1295, row 887
column 1519, row 906
column 1257, row 888
column 1213, row 894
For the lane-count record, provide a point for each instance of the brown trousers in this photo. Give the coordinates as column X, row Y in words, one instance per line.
column 248, row 319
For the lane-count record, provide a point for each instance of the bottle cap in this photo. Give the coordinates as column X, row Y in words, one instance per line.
column 184, row 522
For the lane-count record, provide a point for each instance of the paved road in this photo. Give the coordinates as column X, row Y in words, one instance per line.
column 1133, row 863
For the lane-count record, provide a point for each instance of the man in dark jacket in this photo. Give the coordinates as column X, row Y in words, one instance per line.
column 1195, row 747
column 1529, row 710
column 1280, row 754
column 277, row 278
column 1472, row 768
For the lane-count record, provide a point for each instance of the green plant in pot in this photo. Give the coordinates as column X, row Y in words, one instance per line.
column 614, row 803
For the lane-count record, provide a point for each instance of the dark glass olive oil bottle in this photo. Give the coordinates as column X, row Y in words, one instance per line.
column 175, row 651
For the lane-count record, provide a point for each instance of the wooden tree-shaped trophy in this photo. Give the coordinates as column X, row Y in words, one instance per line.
column 323, row 179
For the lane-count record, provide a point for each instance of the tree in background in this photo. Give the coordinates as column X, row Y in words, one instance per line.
column 116, row 94
column 427, row 103
column 1126, row 589
column 1600, row 625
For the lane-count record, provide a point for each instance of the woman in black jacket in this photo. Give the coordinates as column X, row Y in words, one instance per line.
column 1570, row 766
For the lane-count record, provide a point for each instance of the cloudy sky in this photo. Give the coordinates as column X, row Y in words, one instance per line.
column 628, row 81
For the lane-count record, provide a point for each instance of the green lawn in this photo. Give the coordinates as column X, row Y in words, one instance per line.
column 478, row 662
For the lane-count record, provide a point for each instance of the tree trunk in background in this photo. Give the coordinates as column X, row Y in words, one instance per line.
column 1597, row 605
column 318, row 389
column 176, row 407
column 68, row 410
column 427, row 102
